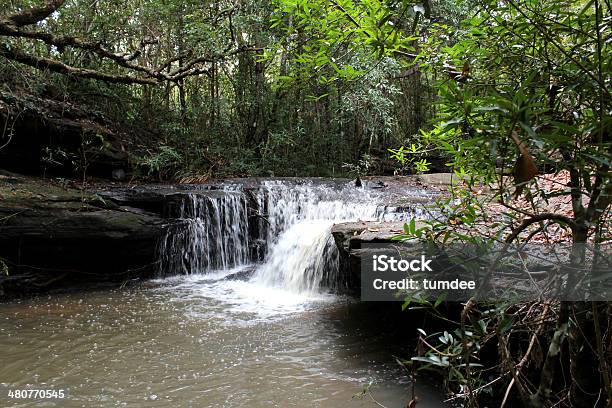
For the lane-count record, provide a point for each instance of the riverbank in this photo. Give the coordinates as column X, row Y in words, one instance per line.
column 54, row 235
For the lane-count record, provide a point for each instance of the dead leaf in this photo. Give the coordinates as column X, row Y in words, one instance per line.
column 525, row 168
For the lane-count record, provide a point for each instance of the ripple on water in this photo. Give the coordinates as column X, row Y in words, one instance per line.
column 200, row 341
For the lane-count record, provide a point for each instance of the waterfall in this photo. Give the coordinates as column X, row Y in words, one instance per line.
column 301, row 259
column 302, row 256
column 212, row 234
column 281, row 225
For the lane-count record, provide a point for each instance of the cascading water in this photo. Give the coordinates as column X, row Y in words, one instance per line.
column 212, row 234
column 302, row 256
column 293, row 219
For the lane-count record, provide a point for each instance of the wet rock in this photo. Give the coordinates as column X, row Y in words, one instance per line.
column 350, row 235
column 349, row 238
column 57, row 238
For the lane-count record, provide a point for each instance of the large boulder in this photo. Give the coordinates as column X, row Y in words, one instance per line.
column 52, row 237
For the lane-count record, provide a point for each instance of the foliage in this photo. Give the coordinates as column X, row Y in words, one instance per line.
column 337, row 28
column 410, row 159
column 288, row 88
column 531, row 96
column 361, row 168
column 165, row 160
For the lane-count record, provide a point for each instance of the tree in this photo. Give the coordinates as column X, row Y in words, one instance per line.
column 523, row 88
column 26, row 24
column 533, row 97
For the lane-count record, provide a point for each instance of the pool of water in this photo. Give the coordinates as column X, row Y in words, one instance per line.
column 202, row 341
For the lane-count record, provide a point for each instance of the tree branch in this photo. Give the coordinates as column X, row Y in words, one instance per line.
column 33, row 15
column 56, row 66
column 561, row 219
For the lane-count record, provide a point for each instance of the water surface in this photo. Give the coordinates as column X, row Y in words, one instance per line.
column 201, row 341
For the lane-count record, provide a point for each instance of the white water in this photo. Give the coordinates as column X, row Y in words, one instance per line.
column 302, row 253
column 212, row 235
column 300, row 259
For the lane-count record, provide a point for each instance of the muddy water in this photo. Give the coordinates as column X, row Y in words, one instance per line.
column 200, row 341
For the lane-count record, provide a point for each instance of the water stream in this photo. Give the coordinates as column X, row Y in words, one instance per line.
column 287, row 227
column 245, row 313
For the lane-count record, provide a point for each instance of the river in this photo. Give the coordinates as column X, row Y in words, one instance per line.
column 229, row 331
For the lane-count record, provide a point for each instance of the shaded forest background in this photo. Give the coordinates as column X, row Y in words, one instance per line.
column 208, row 88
